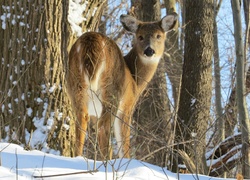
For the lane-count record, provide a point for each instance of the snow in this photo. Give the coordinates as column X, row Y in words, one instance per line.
column 34, row 48
column 3, row 18
column 193, row 100
column 6, row 15
column 193, row 134
column 29, row 111
column 39, row 100
column 22, row 62
column 75, row 18
column 52, row 88
column 3, row 108
column 17, row 163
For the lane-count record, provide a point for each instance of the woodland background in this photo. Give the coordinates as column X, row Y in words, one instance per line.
column 195, row 110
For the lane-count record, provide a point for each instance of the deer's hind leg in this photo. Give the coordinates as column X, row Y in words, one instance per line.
column 105, row 126
column 81, row 128
column 79, row 101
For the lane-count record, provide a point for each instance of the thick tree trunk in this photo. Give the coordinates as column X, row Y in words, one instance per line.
column 196, row 88
column 34, row 53
column 152, row 117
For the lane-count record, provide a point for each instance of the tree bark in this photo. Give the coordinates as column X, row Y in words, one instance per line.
column 196, row 88
column 36, row 110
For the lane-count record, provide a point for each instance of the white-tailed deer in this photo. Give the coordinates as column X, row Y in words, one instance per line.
column 103, row 83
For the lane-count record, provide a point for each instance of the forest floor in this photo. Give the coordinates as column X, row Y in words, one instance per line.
column 17, row 163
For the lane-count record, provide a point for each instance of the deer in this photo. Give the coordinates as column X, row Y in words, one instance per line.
column 103, row 83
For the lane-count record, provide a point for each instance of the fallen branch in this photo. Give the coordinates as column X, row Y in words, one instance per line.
column 66, row 174
column 223, row 158
column 225, row 163
column 226, row 146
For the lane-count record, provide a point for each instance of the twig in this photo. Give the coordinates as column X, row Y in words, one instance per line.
column 163, row 147
column 66, row 174
column 188, row 161
column 16, row 165
column 43, row 162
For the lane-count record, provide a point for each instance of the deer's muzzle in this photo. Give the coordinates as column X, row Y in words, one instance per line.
column 149, row 52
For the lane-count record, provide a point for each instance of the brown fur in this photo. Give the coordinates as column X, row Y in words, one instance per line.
column 96, row 65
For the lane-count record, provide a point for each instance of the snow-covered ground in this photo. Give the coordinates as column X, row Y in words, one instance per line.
column 17, row 163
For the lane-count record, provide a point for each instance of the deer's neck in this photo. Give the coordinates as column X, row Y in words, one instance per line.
column 141, row 70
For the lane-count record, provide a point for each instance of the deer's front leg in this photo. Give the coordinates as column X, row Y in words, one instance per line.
column 125, row 127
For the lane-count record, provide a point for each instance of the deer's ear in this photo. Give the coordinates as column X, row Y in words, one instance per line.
column 129, row 23
column 169, row 21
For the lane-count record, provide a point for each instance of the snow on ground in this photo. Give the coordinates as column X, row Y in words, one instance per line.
column 17, row 163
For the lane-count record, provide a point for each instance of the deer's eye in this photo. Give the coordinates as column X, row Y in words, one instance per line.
column 140, row 38
column 158, row 36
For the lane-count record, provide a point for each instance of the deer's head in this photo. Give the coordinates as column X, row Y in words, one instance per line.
column 149, row 36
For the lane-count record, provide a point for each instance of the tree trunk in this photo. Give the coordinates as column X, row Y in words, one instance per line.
column 36, row 108
column 34, row 43
column 173, row 62
column 152, row 117
column 230, row 115
column 240, row 89
column 173, row 57
column 196, row 89
column 220, row 124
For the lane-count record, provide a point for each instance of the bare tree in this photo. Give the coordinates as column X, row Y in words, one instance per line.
column 173, row 56
column 240, row 89
column 173, row 62
column 220, row 124
column 196, row 86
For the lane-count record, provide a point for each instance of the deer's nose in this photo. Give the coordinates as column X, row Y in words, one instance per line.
column 149, row 52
